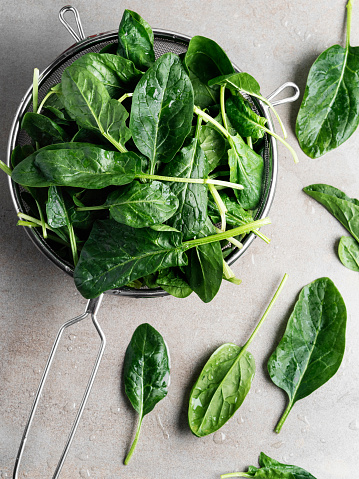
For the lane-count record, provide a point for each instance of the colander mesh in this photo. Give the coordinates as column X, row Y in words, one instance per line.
column 52, row 75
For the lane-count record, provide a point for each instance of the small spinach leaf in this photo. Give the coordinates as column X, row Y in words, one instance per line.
column 42, row 129
column 312, row 347
column 348, row 251
column 146, row 373
column 243, row 119
column 213, row 145
column 172, row 281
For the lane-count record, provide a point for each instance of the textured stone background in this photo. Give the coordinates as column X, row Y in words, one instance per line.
column 276, row 42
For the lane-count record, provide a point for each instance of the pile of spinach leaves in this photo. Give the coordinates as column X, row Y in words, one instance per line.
column 134, row 160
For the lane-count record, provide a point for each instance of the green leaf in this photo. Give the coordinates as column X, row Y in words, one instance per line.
column 146, row 373
column 242, row 82
column 205, row 266
column 42, row 129
column 162, row 110
column 139, row 205
column 115, row 255
column 343, row 208
column 191, row 214
column 235, row 213
column 246, row 168
column 171, row 281
column 19, row 153
column 329, row 113
column 245, row 121
column 312, row 347
column 348, row 251
column 135, row 40
column 88, row 102
column 213, row 145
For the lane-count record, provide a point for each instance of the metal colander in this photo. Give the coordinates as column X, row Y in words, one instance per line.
column 165, row 41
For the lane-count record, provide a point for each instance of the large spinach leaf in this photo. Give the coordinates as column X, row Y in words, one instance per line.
column 135, row 40
column 223, row 383
column 348, row 251
column 312, row 347
column 345, row 209
column 272, row 469
column 88, row 102
column 146, row 373
column 162, row 110
column 139, row 205
column 329, row 113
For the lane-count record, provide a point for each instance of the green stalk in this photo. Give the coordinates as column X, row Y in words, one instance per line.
column 349, row 22
column 229, row 275
column 231, row 240
column 220, row 205
column 279, row 138
column 37, row 222
column 42, row 219
column 249, row 142
column 5, row 168
column 207, row 117
column 129, row 455
column 123, row 97
column 283, row 418
column 204, row 181
column 235, row 474
column 223, row 108
column 246, row 228
column 73, row 244
column 44, row 100
column 35, row 89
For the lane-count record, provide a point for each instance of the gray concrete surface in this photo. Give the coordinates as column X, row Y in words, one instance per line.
column 276, row 42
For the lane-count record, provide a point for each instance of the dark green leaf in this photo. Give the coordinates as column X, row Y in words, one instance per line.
column 205, row 266
column 115, row 254
column 42, row 129
column 19, row 153
column 246, row 168
column 348, row 251
column 162, row 110
column 312, row 347
column 139, row 205
column 345, row 209
column 213, row 145
column 135, row 40
column 235, row 82
column 244, row 120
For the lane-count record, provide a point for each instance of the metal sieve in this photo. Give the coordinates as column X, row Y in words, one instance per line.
column 165, row 41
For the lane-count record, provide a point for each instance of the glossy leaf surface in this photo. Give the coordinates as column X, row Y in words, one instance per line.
column 115, row 254
column 162, row 110
column 139, row 205
column 43, row 130
column 348, row 251
column 213, row 145
column 312, row 347
column 172, row 281
column 243, row 119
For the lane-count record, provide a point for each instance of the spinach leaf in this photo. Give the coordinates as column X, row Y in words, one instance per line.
column 19, row 153
column 139, row 205
column 116, row 254
column 172, row 281
column 135, row 40
column 205, row 60
column 113, row 71
column 190, row 162
column 205, row 266
column 246, row 168
column 312, row 347
column 83, row 167
column 235, row 213
column 272, row 469
column 162, row 110
column 329, row 113
column 88, row 102
column 42, row 129
column 343, row 208
column 213, row 145
column 146, row 373
column 223, row 383
column 245, row 121
column 348, row 251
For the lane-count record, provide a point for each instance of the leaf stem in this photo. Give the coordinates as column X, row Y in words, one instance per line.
column 223, row 108
column 279, row 289
column 205, row 181
column 131, row 451
column 279, row 138
column 35, row 89
column 349, row 22
column 207, row 117
column 235, row 474
column 37, row 222
column 44, row 100
column 284, row 417
column 220, row 205
column 123, row 97
column 5, row 168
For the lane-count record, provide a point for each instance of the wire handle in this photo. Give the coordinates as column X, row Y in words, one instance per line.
column 91, row 310
column 289, row 99
column 69, row 8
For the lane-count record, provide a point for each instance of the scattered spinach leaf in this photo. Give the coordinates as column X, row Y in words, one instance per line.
column 348, row 251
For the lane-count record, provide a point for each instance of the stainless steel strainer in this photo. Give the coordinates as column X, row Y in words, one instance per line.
column 165, row 41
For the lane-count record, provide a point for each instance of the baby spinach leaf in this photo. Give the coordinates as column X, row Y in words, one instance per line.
column 205, row 266
column 171, row 281
column 191, row 214
column 146, row 373
column 348, row 251
column 343, row 208
column 162, row 110
column 312, row 347
column 223, row 383
column 88, row 102
column 246, row 168
column 205, row 60
column 42, row 129
column 114, row 72
column 139, row 205
column 116, row 254
column 272, row 469
column 245, row 121
column 213, row 145
column 329, row 113
column 135, row 40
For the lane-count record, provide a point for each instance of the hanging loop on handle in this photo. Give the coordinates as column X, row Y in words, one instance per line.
column 69, row 8
column 91, row 310
column 289, row 99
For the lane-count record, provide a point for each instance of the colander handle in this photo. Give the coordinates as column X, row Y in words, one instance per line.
column 91, row 310
column 289, row 99
column 69, row 8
